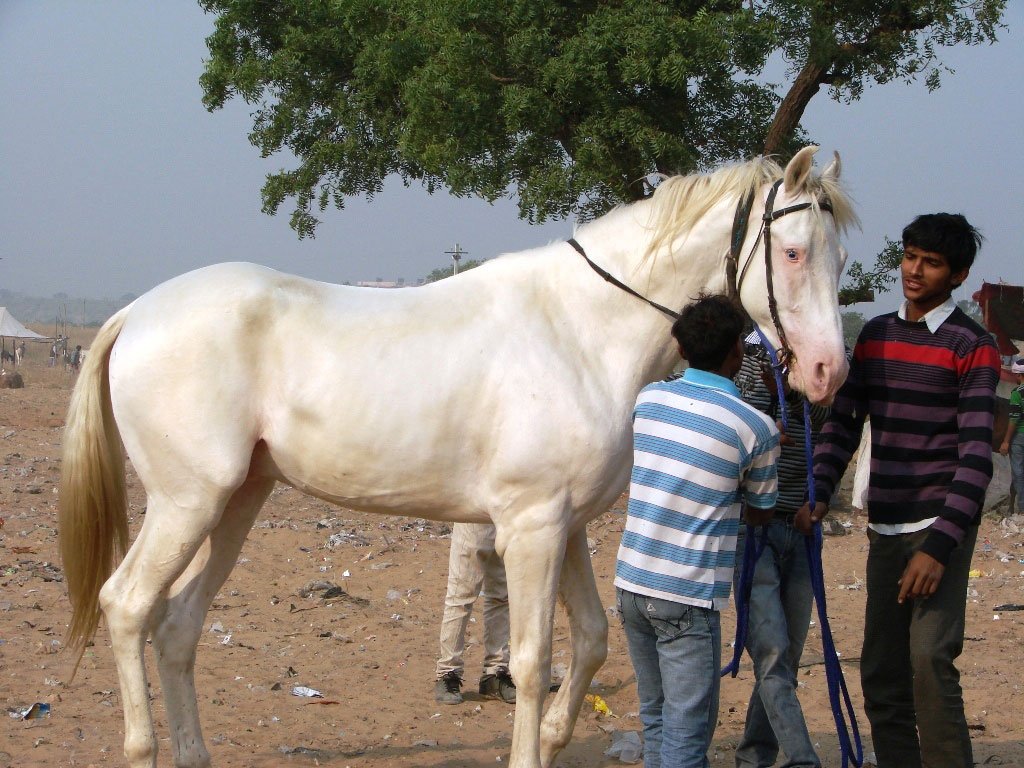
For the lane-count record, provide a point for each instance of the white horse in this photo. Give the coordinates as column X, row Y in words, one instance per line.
column 504, row 394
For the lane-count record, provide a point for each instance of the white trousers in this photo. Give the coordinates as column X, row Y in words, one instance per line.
column 474, row 569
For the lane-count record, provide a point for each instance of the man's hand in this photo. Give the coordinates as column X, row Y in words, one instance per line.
column 921, row 577
column 1004, row 448
column 771, row 384
column 806, row 518
column 784, row 439
column 755, row 516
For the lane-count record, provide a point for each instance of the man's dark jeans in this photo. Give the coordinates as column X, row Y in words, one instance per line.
column 912, row 693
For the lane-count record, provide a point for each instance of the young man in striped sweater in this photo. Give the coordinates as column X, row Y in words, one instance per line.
column 926, row 377
column 699, row 451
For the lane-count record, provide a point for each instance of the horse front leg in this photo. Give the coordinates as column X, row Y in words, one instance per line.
column 176, row 637
column 532, row 548
column 589, row 637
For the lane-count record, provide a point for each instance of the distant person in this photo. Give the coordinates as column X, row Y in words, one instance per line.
column 1013, row 442
column 75, row 360
column 926, row 376
column 53, row 355
column 474, row 570
column 698, row 452
column 19, row 354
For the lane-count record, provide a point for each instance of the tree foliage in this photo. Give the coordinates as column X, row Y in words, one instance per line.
column 861, row 284
column 570, row 106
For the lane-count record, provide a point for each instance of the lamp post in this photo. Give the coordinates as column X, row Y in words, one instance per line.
column 456, row 255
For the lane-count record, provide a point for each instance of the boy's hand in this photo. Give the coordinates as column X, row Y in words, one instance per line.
column 806, row 518
column 1004, row 448
column 921, row 577
column 784, row 439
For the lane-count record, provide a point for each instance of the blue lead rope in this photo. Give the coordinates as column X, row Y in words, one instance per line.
column 752, row 550
column 850, row 750
column 850, row 747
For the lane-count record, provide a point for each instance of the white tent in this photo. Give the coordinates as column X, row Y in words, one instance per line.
column 11, row 328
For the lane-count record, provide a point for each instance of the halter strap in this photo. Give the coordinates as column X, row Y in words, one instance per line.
column 610, row 278
column 773, row 307
column 740, row 223
column 739, row 232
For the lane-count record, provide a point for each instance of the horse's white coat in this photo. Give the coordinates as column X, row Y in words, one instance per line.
column 504, row 394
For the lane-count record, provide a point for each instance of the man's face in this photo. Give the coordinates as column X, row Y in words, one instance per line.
column 927, row 279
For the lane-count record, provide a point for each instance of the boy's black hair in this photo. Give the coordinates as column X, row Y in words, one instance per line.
column 708, row 330
column 947, row 233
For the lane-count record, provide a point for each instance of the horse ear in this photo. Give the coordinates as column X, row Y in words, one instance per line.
column 799, row 170
column 833, row 169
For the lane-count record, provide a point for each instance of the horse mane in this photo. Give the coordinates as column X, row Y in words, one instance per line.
column 680, row 201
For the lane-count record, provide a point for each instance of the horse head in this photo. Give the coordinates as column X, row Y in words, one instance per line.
column 789, row 273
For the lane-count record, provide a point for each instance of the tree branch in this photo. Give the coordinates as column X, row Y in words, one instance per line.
column 788, row 115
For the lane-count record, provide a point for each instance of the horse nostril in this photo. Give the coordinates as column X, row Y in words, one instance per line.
column 821, row 373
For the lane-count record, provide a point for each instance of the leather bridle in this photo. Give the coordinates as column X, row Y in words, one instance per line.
column 739, row 229
column 734, row 281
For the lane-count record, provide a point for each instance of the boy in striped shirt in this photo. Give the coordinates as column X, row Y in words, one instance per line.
column 926, row 377
column 699, row 451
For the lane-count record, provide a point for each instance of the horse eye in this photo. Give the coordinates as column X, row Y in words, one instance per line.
column 791, row 254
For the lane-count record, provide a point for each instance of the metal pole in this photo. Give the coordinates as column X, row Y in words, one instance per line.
column 456, row 255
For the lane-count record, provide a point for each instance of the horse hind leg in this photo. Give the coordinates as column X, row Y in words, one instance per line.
column 589, row 637
column 133, row 599
column 176, row 636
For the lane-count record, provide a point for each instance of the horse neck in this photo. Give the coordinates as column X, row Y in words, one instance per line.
column 626, row 331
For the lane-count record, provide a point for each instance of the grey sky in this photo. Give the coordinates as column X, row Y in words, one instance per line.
column 113, row 177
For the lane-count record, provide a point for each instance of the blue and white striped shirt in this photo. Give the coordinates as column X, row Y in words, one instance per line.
column 698, row 450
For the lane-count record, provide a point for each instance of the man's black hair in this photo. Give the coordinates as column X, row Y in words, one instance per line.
column 947, row 233
column 708, row 330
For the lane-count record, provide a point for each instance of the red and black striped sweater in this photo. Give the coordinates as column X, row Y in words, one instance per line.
column 930, row 398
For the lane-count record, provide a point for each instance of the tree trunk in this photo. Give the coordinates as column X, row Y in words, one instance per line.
column 788, row 115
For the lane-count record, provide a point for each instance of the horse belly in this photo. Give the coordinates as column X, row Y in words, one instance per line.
column 418, row 452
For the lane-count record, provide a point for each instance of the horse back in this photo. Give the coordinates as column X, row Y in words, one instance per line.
column 429, row 401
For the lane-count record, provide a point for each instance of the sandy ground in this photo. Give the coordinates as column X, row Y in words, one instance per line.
column 371, row 651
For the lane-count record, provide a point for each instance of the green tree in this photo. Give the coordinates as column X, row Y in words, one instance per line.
column 846, row 46
column 442, row 272
column 569, row 106
column 862, row 284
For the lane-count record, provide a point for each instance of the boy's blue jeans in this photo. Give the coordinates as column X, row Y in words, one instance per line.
column 780, row 612
column 676, row 650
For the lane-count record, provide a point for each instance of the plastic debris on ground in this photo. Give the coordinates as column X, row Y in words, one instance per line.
column 34, row 712
column 311, row 693
column 626, row 746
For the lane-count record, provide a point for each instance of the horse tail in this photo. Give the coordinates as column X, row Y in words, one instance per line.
column 93, row 519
